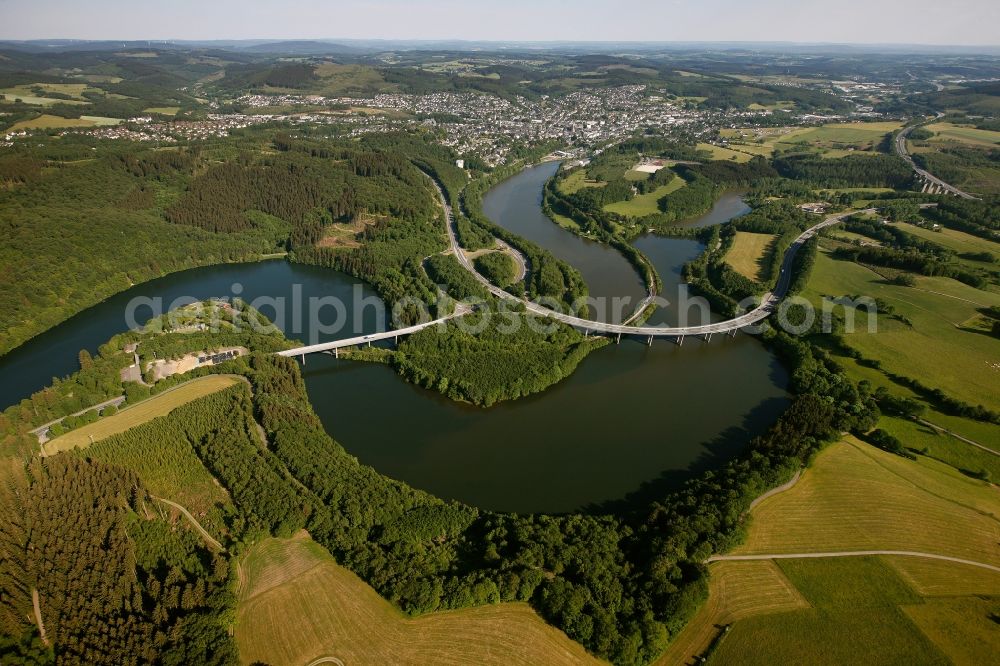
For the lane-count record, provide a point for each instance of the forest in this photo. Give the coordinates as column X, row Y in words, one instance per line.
column 642, row 581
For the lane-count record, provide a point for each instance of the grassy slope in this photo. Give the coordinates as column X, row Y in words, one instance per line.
column 748, row 254
column 576, row 181
column 856, row 497
column 140, row 413
column 296, row 604
column 934, row 349
column 839, row 610
column 645, row 204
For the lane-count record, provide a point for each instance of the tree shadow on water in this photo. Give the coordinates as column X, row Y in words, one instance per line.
column 719, row 451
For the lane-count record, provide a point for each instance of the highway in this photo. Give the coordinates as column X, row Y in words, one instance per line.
column 769, row 301
column 900, row 146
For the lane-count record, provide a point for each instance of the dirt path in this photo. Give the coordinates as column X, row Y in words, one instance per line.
column 958, row 437
column 774, row 491
column 209, row 539
column 852, row 553
column 37, row 604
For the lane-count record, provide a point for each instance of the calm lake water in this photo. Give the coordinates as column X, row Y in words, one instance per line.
column 630, row 413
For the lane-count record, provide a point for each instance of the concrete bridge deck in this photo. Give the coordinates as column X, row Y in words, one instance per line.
column 769, row 301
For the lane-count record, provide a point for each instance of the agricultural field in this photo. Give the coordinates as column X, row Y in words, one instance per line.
column 140, row 413
column 35, row 93
column 576, row 181
column 935, row 345
column 889, row 608
column 720, row 153
column 858, row 607
column 163, row 110
column 957, row 241
column 938, row 445
column 645, row 204
column 296, row 604
column 749, row 253
column 857, row 497
column 831, row 140
column 949, row 133
column 47, row 121
column 736, row 590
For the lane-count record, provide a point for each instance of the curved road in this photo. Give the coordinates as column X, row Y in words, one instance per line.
column 900, row 146
column 769, row 302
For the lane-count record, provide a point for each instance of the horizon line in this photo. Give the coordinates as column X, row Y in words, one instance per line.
column 431, row 40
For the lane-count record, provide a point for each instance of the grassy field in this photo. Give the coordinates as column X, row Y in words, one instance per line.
column 934, row 347
column 831, row 140
column 139, row 413
column 856, row 608
column 27, row 93
column 749, row 253
column 856, row 497
column 645, row 204
column 296, row 604
column 955, row 240
column 885, row 609
column 948, row 133
column 720, row 153
column 163, row 110
column 943, row 447
column 736, row 590
column 47, row 121
column 576, row 181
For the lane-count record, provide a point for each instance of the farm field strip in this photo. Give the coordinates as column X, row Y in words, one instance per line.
column 749, row 253
column 129, row 417
column 298, row 605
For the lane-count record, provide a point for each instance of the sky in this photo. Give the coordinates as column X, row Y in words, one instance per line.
column 956, row 22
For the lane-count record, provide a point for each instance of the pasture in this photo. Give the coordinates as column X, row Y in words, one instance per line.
column 48, row 121
column 933, row 345
column 832, row 140
column 645, row 204
column 749, row 254
column 576, row 181
column 36, row 93
column 720, row 153
column 296, row 604
column 163, row 110
column 957, row 241
column 139, row 413
column 971, row 136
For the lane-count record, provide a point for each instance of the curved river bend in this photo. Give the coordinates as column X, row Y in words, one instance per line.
column 629, row 414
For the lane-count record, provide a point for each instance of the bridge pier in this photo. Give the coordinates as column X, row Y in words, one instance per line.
column 369, row 343
column 303, row 359
column 680, row 341
column 649, row 343
column 619, row 340
column 708, row 337
column 336, row 352
column 732, row 333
